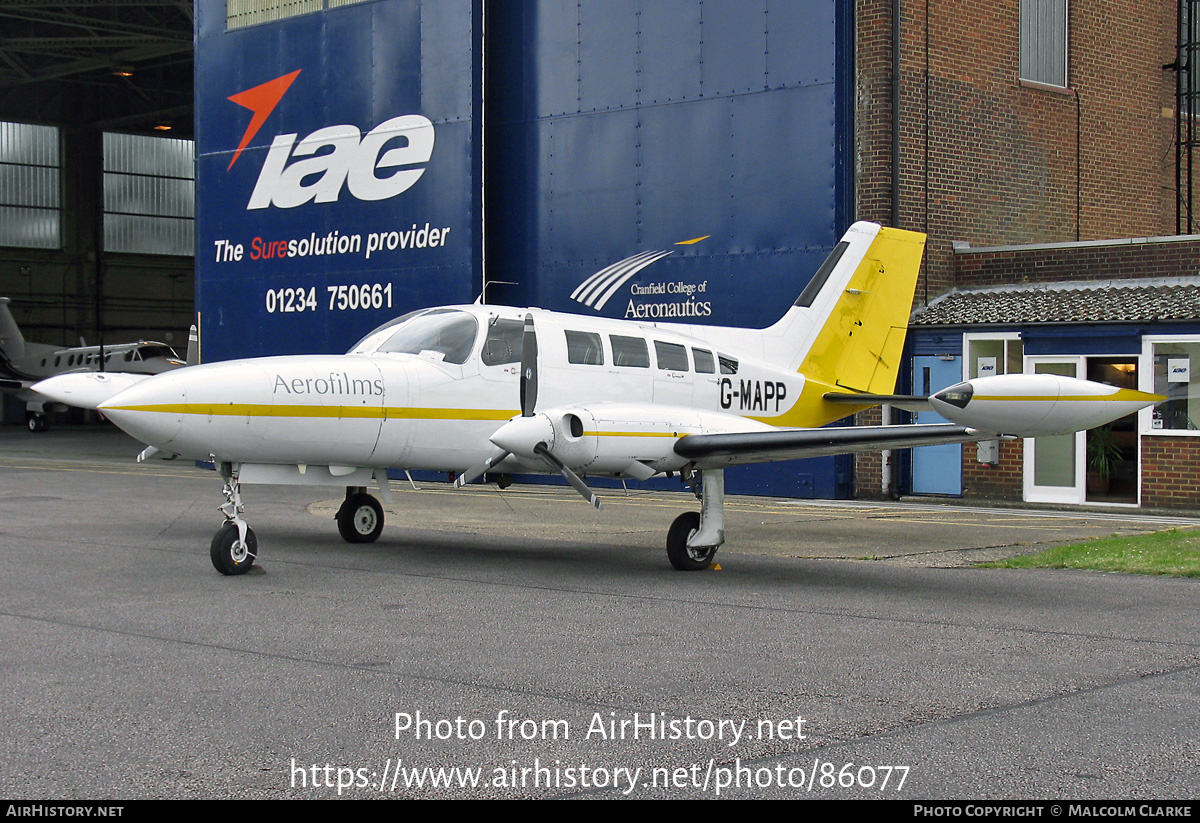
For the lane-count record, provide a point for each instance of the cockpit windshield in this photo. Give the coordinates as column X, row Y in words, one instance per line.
column 442, row 334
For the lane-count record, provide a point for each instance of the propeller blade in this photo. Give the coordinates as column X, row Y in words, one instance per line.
column 480, row 469
column 569, row 475
column 529, row 370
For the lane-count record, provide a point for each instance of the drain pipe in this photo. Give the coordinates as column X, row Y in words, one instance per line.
column 886, row 457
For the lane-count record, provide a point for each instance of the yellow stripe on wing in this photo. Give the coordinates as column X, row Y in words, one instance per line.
column 1118, row 396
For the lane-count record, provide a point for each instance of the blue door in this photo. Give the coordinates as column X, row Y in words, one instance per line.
column 936, row 469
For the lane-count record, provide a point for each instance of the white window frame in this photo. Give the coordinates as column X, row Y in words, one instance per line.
column 1146, row 383
column 975, row 337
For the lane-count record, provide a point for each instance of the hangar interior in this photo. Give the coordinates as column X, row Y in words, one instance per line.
column 96, row 172
column 569, row 136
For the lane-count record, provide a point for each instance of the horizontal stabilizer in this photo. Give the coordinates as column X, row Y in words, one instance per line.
column 907, row 402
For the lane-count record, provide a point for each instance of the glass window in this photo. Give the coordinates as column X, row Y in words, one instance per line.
column 729, row 365
column 1044, row 41
column 149, row 195
column 705, row 364
column 503, row 342
column 989, row 356
column 30, row 181
column 1176, row 375
column 241, row 13
column 585, row 348
column 441, row 335
column 630, row 351
column 671, row 356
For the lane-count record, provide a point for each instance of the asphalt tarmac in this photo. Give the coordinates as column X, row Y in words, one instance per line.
column 520, row 644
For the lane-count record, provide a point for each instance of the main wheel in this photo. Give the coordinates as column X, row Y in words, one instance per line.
column 360, row 519
column 38, row 423
column 683, row 558
column 229, row 554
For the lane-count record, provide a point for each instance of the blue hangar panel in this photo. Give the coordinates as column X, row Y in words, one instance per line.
column 621, row 126
column 337, row 172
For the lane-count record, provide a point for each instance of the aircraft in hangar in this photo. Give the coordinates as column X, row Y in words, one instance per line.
column 478, row 389
column 117, row 366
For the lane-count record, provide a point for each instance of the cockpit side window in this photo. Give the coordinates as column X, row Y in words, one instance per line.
column 447, row 335
column 503, row 342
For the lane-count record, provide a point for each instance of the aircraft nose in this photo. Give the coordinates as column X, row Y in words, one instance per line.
column 150, row 411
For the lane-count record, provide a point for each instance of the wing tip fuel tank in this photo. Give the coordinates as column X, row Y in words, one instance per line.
column 1037, row 405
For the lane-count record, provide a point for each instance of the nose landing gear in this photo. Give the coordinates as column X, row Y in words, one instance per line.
column 234, row 546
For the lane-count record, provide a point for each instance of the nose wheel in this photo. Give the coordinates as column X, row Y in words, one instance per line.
column 234, row 546
column 232, row 553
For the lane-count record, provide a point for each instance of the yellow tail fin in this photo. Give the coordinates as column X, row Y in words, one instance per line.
column 861, row 340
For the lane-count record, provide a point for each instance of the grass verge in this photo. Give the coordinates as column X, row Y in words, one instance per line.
column 1175, row 552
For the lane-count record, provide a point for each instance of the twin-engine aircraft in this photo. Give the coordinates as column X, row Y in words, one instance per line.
column 485, row 389
column 117, row 366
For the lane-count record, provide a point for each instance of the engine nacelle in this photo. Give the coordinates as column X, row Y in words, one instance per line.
column 1035, row 405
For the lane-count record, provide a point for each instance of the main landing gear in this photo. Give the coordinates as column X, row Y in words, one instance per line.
column 234, row 546
column 360, row 519
column 694, row 538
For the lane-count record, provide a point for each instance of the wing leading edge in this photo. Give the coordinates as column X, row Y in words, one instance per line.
column 710, row 451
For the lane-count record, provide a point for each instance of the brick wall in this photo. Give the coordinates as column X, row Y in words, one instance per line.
column 1170, row 466
column 868, row 466
column 991, row 160
column 1173, row 258
column 1002, row 481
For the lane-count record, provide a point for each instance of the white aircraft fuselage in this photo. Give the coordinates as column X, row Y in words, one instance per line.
column 478, row 389
column 439, row 409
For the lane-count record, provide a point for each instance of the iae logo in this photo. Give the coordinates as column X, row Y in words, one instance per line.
column 383, row 164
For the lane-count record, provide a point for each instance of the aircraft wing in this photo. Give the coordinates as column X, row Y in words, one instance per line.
column 711, row 451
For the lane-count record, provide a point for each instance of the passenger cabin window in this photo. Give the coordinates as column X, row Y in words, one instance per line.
column 630, row 351
column 728, row 364
column 442, row 335
column 584, row 348
column 503, row 342
column 671, row 356
column 705, row 364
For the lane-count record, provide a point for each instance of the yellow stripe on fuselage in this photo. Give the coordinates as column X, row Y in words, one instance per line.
column 363, row 412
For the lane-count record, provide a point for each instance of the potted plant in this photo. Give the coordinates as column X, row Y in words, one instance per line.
column 1103, row 455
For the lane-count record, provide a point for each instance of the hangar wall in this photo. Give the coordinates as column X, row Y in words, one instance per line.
column 358, row 162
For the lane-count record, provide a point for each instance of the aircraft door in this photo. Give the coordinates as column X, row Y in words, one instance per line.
column 673, row 376
column 395, row 432
column 936, row 469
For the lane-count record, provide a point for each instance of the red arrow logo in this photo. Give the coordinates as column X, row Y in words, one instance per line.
column 261, row 100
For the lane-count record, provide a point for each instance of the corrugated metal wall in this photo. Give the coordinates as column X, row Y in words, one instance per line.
column 30, row 186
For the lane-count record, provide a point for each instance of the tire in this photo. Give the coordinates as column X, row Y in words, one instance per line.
column 228, row 555
column 681, row 557
column 38, row 423
column 360, row 519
